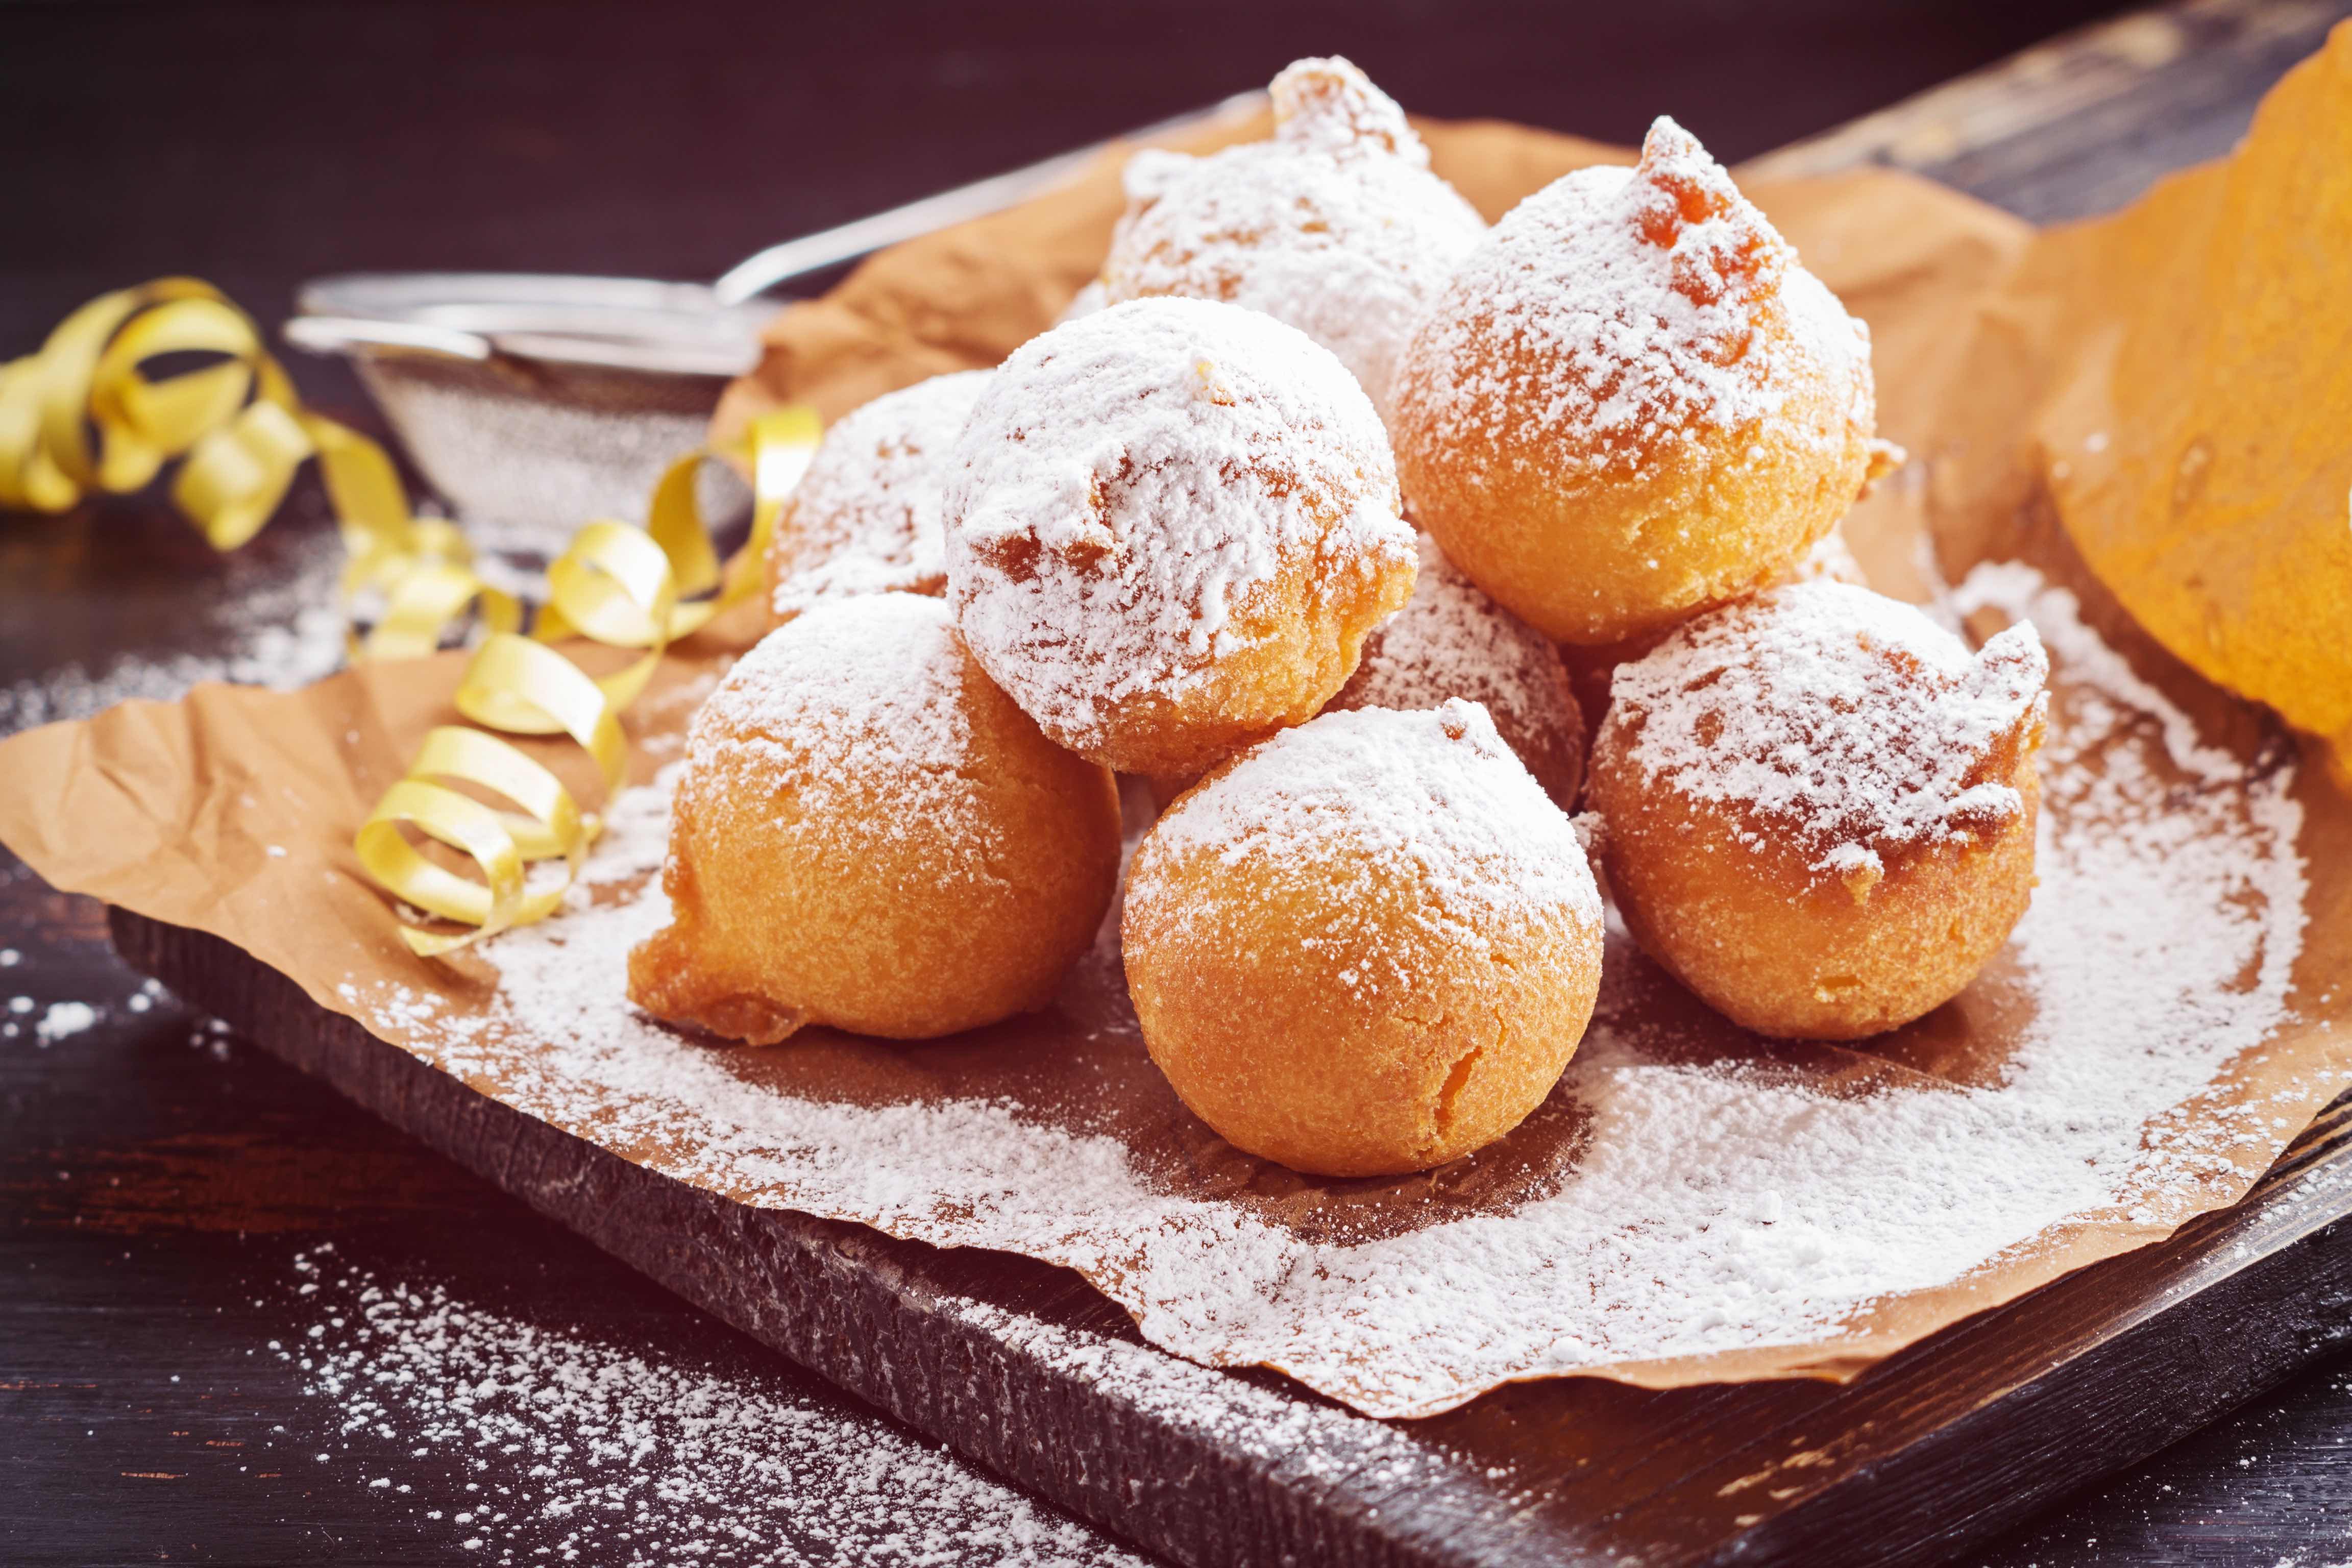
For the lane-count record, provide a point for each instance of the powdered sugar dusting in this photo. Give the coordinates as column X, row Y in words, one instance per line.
column 270, row 618
column 1450, row 640
column 856, row 688
column 1316, row 1441
column 576, row 1451
column 1437, row 792
column 2120, row 750
column 1326, row 105
column 1847, row 719
column 1625, row 311
column 63, row 1020
column 865, row 517
column 1132, row 478
column 1726, row 1197
column 1336, row 226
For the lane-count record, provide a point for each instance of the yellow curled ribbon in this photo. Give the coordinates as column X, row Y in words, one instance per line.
column 239, row 435
column 617, row 584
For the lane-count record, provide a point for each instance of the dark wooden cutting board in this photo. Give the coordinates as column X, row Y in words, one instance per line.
column 1026, row 1369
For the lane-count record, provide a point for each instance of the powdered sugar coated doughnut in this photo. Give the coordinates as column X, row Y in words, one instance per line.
column 1590, row 666
column 869, row 834
column 1631, row 401
column 865, row 519
column 1337, row 226
column 1369, row 945
column 1820, row 805
column 1172, row 524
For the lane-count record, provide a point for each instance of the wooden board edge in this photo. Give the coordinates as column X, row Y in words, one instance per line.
column 2187, row 1364
column 2077, row 73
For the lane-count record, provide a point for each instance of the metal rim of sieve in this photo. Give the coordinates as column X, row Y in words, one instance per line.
column 646, row 326
column 524, row 345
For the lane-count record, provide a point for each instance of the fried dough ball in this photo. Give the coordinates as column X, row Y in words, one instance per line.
column 1367, row 946
column 1820, row 806
column 871, row 835
column 1450, row 640
column 1631, row 401
column 1336, row 226
column 1172, row 526
column 865, row 519
column 1589, row 668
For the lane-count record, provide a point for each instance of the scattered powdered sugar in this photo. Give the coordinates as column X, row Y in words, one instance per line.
column 1712, row 1208
column 580, row 1452
column 268, row 622
column 1618, row 310
column 865, row 517
column 853, row 690
column 1130, row 479
column 63, row 1020
column 1315, row 1442
column 1452, row 640
column 2195, row 820
column 1850, row 720
column 1436, row 791
column 1337, row 226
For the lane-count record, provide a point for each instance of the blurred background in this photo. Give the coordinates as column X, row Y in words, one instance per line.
column 258, row 144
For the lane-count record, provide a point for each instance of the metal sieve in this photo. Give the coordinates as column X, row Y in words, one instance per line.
column 534, row 400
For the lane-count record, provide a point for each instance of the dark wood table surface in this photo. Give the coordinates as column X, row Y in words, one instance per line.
column 159, row 1178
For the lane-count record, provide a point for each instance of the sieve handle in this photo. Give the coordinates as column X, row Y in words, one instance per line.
column 814, row 252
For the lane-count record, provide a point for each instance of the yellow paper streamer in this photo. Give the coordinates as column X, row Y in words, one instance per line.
column 239, row 433
column 616, row 584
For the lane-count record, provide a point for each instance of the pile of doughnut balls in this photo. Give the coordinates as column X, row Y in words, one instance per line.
column 1343, row 520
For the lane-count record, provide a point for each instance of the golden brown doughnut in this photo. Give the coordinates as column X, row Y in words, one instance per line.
column 1368, row 945
column 1452, row 640
column 1631, row 401
column 869, row 834
column 1336, row 226
column 1820, row 806
column 1589, row 667
column 1172, row 524
column 865, row 519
